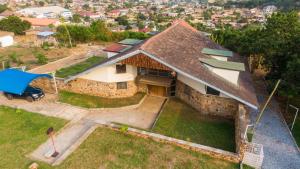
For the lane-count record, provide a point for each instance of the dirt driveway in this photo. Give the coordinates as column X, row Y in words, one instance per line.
column 75, row 57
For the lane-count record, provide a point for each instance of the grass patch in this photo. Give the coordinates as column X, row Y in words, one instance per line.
column 107, row 148
column 20, row 133
column 181, row 121
column 80, row 67
column 88, row 101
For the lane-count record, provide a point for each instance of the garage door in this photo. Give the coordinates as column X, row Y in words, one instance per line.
column 157, row 90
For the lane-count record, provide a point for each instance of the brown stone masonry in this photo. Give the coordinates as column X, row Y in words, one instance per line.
column 207, row 104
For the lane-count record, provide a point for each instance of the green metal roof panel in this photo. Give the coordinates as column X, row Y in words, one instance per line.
column 217, row 52
column 224, row 64
column 130, row 41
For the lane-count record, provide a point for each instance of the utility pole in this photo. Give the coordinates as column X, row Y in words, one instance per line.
column 265, row 105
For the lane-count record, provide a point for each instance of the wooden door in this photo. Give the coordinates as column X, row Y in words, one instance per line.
column 157, row 90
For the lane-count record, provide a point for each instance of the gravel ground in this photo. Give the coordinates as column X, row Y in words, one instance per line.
column 280, row 151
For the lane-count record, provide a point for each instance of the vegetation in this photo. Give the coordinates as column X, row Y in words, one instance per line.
column 181, row 121
column 88, row 101
column 275, row 46
column 22, row 132
column 3, row 7
column 14, row 24
column 96, row 31
column 80, row 67
column 41, row 58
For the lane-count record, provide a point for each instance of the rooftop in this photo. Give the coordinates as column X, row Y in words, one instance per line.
column 130, row 41
column 224, row 64
column 118, row 48
column 217, row 52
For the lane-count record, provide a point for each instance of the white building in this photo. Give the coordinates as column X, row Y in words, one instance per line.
column 6, row 39
column 46, row 12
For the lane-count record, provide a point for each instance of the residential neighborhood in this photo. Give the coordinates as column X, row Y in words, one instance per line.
column 149, row 84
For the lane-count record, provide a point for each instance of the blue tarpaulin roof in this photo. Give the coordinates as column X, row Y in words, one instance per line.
column 16, row 81
column 45, row 33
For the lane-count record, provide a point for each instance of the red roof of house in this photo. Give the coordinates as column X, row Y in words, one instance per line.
column 40, row 21
column 116, row 48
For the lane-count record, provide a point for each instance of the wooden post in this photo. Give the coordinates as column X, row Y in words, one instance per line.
column 3, row 65
column 55, row 85
column 264, row 107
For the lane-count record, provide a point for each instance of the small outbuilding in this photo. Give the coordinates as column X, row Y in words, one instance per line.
column 6, row 39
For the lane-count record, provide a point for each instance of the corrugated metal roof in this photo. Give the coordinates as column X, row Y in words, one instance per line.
column 224, row 64
column 217, row 52
column 130, row 41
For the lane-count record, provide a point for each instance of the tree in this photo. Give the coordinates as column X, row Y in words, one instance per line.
column 41, row 3
column 275, row 46
column 86, row 7
column 3, row 8
column 122, row 20
column 14, row 24
column 207, row 14
column 76, row 18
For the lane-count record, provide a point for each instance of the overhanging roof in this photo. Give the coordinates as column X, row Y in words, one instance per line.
column 16, row 81
column 217, row 52
column 224, row 64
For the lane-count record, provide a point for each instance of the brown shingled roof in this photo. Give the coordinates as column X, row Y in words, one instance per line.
column 179, row 47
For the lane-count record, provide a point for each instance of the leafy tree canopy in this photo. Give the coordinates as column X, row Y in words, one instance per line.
column 276, row 43
column 14, row 24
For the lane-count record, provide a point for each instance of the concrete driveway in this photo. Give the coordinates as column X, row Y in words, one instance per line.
column 141, row 117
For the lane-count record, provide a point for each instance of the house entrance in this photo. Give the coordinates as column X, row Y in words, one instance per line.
column 157, row 90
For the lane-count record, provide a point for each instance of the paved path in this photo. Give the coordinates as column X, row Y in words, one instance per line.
column 279, row 148
column 142, row 116
column 71, row 60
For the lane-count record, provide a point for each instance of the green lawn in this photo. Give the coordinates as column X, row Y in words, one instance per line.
column 181, row 121
column 20, row 133
column 80, row 67
column 106, row 148
column 88, row 101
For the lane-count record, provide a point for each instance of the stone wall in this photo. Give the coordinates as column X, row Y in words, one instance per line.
column 207, row 104
column 241, row 121
column 89, row 87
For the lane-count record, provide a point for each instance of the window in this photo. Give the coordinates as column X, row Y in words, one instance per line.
column 212, row 91
column 187, row 90
column 122, row 85
column 121, row 68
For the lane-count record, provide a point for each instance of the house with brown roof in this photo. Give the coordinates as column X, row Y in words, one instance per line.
column 178, row 62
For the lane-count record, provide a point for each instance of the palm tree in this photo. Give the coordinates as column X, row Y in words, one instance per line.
column 62, row 20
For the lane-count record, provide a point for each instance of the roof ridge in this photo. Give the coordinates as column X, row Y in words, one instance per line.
column 174, row 24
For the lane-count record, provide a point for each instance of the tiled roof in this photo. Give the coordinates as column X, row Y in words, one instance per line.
column 179, row 47
column 40, row 21
column 118, row 48
column 217, row 52
column 224, row 64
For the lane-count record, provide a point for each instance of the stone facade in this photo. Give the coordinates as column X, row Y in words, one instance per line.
column 241, row 121
column 89, row 87
column 101, row 89
column 207, row 104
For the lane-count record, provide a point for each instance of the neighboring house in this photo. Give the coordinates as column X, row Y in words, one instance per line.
column 181, row 62
column 42, row 22
column 46, row 12
column 6, row 39
column 45, row 36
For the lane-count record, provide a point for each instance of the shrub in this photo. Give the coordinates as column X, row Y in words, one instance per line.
column 41, row 58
